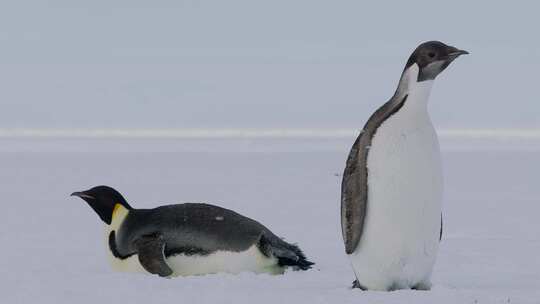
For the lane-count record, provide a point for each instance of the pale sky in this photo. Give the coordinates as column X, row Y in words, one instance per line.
column 259, row 64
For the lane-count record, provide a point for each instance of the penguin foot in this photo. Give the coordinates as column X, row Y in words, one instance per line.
column 425, row 286
column 356, row 284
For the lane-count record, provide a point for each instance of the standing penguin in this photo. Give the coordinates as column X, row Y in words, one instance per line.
column 188, row 239
column 392, row 186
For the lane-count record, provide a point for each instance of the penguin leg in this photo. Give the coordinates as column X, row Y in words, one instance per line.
column 356, row 284
column 150, row 249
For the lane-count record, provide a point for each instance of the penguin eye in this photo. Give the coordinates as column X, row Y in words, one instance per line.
column 431, row 54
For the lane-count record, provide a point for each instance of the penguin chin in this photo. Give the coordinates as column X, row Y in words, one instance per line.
column 433, row 69
column 104, row 211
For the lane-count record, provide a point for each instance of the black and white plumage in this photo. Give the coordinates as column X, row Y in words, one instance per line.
column 392, row 184
column 188, row 239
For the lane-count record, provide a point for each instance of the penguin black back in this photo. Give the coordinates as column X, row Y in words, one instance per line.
column 191, row 227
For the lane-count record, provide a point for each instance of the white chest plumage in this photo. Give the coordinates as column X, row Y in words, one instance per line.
column 400, row 239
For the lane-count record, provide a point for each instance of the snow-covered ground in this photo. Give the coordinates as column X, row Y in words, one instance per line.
column 53, row 250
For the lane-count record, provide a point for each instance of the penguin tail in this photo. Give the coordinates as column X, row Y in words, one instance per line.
column 287, row 255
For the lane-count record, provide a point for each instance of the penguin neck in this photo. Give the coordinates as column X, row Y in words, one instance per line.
column 417, row 92
column 119, row 261
column 118, row 216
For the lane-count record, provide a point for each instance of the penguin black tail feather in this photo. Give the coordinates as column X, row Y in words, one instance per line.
column 288, row 255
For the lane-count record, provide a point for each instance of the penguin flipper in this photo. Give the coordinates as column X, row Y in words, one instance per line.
column 354, row 186
column 150, row 249
column 354, row 195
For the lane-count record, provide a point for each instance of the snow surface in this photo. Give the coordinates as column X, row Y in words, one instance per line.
column 53, row 251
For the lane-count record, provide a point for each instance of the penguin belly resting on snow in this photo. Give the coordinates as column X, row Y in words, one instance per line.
column 392, row 186
column 188, row 239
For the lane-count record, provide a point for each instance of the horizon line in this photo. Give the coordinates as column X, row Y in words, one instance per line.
column 231, row 133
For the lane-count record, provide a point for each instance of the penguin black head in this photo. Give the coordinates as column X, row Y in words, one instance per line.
column 103, row 200
column 432, row 58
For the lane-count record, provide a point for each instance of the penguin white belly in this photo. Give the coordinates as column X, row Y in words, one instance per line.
column 251, row 260
column 400, row 239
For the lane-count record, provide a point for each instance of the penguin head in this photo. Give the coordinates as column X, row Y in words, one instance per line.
column 432, row 58
column 103, row 200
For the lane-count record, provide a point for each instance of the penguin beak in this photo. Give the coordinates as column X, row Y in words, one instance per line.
column 82, row 195
column 455, row 54
column 459, row 53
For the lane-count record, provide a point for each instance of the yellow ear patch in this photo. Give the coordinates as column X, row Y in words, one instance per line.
column 116, row 210
column 118, row 216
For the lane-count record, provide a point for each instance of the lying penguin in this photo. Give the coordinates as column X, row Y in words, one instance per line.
column 188, row 239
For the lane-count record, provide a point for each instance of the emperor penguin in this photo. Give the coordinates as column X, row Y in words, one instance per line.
column 391, row 193
column 188, row 239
